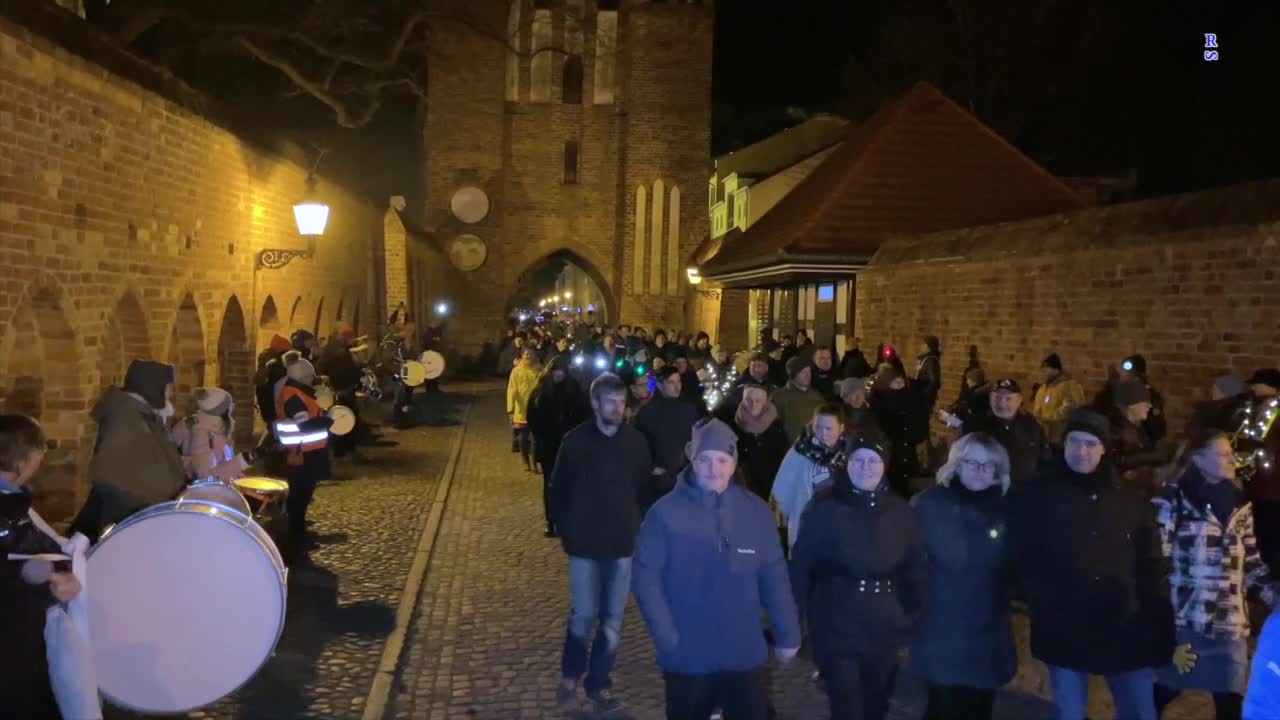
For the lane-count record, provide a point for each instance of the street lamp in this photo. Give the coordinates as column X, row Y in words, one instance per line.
column 695, row 278
column 309, row 213
column 567, row 294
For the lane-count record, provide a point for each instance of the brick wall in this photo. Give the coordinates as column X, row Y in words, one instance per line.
column 1189, row 281
column 128, row 228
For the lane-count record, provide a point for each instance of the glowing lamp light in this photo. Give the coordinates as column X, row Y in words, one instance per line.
column 600, row 363
column 695, row 278
column 523, row 317
column 442, row 308
column 309, row 213
column 567, row 294
column 1127, row 365
column 577, row 361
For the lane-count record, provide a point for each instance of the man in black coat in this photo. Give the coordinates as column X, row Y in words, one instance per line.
column 1018, row 432
column 666, row 421
column 1086, row 554
column 824, row 374
column 599, row 486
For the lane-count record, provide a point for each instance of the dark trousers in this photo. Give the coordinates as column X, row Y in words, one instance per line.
column 741, row 695
column 547, row 467
column 524, row 442
column 956, row 702
column 302, row 487
column 1266, row 527
column 1226, row 706
column 345, row 444
column 859, row 685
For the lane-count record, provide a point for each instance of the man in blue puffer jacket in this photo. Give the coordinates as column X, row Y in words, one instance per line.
column 1262, row 702
column 707, row 560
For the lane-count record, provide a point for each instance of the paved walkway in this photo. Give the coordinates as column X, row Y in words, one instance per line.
column 342, row 605
column 485, row 643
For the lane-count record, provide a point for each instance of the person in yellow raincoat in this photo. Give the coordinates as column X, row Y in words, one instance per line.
column 520, row 387
column 1056, row 398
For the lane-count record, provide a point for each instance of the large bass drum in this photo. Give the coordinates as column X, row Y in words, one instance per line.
column 187, row 602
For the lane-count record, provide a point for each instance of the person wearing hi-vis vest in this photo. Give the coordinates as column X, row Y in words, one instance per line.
column 303, row 432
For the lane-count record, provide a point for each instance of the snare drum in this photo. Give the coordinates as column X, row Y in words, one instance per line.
column 216, row 491
column 267, row 493
column 188, row 602
column 344, row 420
column 413, row 373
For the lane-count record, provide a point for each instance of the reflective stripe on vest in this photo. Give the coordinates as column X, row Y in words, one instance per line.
column 313, row 412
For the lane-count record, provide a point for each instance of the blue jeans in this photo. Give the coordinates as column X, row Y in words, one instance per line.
column 1133, row 693
column 599, row 589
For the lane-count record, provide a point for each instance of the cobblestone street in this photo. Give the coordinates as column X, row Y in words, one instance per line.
column 486, row 640
column 342, row 605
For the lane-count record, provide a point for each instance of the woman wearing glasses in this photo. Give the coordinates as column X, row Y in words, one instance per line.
column 1206, row 532
column 858, row 573
column 963, row 645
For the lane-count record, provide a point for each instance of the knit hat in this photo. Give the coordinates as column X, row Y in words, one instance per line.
column 300, row 370
column 148, row 379
column 1135, row 364
column 1131, row 393
column 864, row 441
column 1229, row 385
column 279, row 343
column 1053, row 361
column 712, row 434
column 795, row 365
column 1007, row 385
column 212, row 400
column 1088, row 421
column 1265, row 376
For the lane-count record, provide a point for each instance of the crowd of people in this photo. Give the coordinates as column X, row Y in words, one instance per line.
column 147, row 452
column 793, row 492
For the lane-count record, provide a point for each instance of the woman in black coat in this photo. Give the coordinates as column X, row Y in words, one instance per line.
column 858, row 571
column 964, row 645
column 557, row 406
column 762, row 443
column 903, row 414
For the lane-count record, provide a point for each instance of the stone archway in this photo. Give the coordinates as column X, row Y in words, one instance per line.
column 124, row 339
column 268, row 323
column 295, row 315
column 539, row 277
column 42, row 378
column 187, row 350
column 235, row 368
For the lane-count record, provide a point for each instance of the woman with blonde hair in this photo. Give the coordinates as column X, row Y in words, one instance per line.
column 963, row 646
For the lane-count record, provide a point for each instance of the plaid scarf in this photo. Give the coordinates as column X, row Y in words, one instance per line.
column 818, row 453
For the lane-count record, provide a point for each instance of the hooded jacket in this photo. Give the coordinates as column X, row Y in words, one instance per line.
column 1053, row 401
column 1085, row 553
column 795, row 408
column 849, row 539
column 520, row 388
column 705, row 565
column 135, row 462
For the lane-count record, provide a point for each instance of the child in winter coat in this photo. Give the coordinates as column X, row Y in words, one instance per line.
column 27, row 588
column 520, row 387
column 204, row 438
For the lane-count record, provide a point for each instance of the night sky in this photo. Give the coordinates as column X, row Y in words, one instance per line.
column 1085, row 87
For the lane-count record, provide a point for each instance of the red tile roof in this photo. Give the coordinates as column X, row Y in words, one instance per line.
column 920, row 164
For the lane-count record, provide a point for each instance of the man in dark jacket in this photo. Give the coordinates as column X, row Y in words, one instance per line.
column 135, row 462
column 929, row 371
column 1086, row 554
column 824, row 374
column 337, row 364
column 666, row 421
column 1134, row 368
column 1135, row 453
column 707, row 562
column 853, row 364
column 600, row 483
column 1019, row 433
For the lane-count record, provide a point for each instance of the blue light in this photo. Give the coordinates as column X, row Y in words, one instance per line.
column 600, row 363
column 577, row 360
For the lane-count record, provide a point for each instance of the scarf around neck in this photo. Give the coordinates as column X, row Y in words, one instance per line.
column 818, row 453
column 755, row 424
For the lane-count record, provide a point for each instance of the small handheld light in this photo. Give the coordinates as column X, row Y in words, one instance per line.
column 600, row 363
column 577, row 360
column 1127, row 365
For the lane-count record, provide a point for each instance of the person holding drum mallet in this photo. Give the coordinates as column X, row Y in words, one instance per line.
column 135, row 463
column 204, row 437
column 27, row 588
column 307, row 452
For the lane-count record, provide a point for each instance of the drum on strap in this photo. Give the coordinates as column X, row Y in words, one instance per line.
column 216, row 491
column 344, row 420
column 188, row 603
column 433, row 362
column 413, row 373
column 267, row 493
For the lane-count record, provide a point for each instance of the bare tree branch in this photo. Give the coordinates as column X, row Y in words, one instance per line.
column 390, row 60
column 343, row 115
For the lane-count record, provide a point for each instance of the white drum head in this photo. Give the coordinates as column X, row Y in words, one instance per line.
column 413, row 373
column 186, row 602
column 216, row 492
column 344, row 420
column 434, row 364
column 324, row 397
